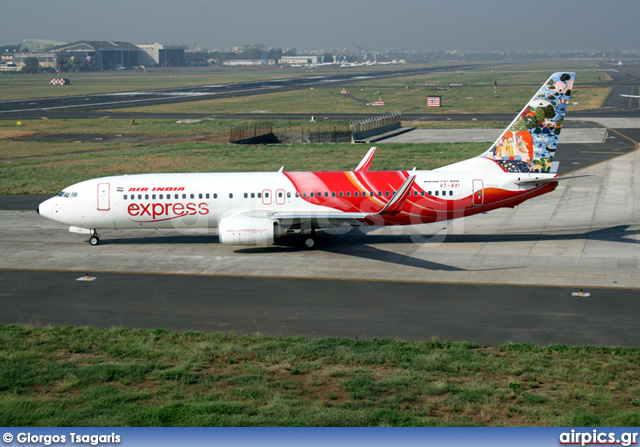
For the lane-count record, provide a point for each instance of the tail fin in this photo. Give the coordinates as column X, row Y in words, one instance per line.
column 529, row 143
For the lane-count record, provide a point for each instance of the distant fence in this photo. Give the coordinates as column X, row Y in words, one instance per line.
column 265, row 133
column 376, row 125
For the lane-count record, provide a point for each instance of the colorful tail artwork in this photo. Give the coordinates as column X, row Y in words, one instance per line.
column 529, row 143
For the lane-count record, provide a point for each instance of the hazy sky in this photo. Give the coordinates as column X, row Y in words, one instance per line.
column 312, row 24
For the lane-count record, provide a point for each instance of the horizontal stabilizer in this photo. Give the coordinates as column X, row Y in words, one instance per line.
column 542, row 181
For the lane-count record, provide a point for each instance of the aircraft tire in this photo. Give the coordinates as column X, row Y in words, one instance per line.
column 309, row 242
column 94, row 240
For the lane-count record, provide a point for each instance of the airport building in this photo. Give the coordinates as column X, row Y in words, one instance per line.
column 103, row 55
column 162, row 54
column 301, row 60
column 100, row 55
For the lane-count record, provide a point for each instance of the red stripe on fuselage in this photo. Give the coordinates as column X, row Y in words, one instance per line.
column 417, row 209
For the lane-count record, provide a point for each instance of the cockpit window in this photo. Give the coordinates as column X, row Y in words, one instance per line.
column 67, row 195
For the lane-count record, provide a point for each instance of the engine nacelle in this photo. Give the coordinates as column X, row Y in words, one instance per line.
column 246, row 230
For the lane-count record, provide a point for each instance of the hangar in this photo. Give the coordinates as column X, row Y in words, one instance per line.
column 162, row 54
column 100, row 55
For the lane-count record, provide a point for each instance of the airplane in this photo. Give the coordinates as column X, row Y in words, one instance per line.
column 257, row 208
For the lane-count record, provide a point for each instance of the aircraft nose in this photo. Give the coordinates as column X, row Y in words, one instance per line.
column 45, row 209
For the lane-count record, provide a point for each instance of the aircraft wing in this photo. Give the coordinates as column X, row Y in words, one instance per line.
column 393, row 207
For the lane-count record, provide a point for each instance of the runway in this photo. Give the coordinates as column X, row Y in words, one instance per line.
column 322, row 308
column 90, row 106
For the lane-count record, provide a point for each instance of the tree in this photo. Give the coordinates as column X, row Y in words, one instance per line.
column 31, row 65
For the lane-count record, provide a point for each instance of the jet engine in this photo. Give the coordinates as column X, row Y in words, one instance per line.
column 246, row 230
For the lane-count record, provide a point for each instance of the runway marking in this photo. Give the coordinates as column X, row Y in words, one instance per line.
column 318, row 278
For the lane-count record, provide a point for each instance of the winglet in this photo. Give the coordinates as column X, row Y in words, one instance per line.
column 366, row 161
column 394, row 206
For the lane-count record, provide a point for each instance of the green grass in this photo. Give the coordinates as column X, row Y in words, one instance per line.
column 49, row 174
column 121, row 377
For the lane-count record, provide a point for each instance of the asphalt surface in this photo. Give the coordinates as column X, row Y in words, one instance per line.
column 482, row 314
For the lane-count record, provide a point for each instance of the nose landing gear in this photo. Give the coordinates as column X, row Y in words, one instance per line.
column 94, row 239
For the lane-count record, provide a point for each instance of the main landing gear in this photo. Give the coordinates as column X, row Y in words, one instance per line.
column 309, row 241
column 308, row 234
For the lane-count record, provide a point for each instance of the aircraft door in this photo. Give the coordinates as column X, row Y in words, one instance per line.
column 104, row 201
column 478, row 192
column 280, row 197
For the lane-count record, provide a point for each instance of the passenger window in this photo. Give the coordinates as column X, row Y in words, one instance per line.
column 280, row 195
column 184, row 196
column 161, row 196
column 437, row 193
column 199, row 196
column 246, row 196
column 176, row 196
column 371, row 193
column 139, row 196
column 386, row 193
column 253, row 195
column 341, row 194
column 266, row 195
column 379, row 193
column 288, row 195
column 326, row 194
column 215, row 195
column 310, row 194
column 348, row 193
column 231, row 195
column 153, row 196
column 297, row 194
column 146, row 197
column 74, row 194
column 206, row 195
column 444, row 193
column 450, row 193
column 427, row 193
column 125, row 197
column 333, row 193
column 193, row 196
column 259, row 195
column 356, row 194
column 304, row 195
